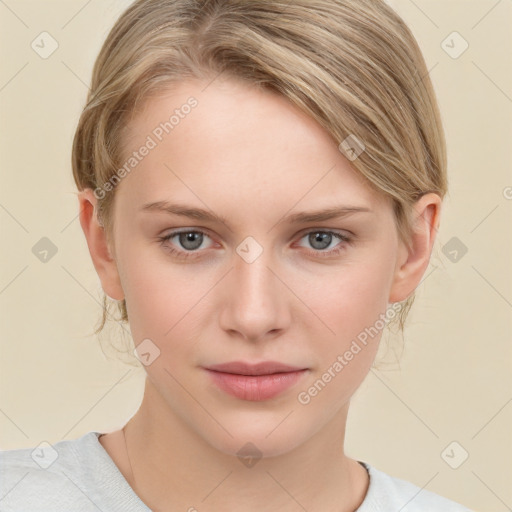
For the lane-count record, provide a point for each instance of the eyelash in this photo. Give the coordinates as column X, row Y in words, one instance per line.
column 194, row 254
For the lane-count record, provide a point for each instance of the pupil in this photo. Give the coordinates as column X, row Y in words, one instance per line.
column 189, row 240
column 321, row 237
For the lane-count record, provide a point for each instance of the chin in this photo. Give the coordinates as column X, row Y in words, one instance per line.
column 258, row 441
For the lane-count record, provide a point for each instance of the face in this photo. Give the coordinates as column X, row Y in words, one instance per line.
column 253, row 281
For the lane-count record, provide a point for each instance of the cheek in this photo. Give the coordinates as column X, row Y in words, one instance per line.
column 352, row 297
column 161, row 296
column 146, row 293
column 350, row 301
column 350, row 304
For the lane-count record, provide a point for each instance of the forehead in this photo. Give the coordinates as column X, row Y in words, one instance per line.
column 227, row 112
column 233, row 138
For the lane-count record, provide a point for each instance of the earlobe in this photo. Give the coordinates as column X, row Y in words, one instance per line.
column 412, row 262
column 101, row 255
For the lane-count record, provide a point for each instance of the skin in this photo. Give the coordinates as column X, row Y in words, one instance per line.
column 254, row 158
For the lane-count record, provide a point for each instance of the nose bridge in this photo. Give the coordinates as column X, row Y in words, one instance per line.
column 256, row 303
column 253, row 279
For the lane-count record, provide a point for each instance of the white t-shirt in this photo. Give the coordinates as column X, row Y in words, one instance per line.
column 79, row 476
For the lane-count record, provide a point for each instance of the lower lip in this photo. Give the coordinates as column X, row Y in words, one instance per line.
column 255, row 387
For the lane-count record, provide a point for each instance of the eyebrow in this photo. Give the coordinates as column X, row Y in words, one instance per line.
column 295, row 218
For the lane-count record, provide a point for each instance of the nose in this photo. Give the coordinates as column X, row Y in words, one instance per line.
column 256, row 303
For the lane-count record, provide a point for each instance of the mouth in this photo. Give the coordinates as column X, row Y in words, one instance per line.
column 255, row 382
column 262, row 368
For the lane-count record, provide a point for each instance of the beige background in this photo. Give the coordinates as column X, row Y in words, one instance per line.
column 453, row 382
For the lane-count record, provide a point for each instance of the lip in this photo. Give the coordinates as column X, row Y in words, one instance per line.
column 262, row 368
column 255, row 382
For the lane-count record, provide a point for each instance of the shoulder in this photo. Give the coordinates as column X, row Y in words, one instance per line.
column 68, row 475
column 387, row 492
column 33, row 478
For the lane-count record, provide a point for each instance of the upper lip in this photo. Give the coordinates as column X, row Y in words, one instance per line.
column 263, row 368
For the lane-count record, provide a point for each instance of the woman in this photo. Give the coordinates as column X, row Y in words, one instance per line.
column 260, row 186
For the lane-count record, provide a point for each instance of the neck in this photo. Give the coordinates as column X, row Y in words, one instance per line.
column 173, row 465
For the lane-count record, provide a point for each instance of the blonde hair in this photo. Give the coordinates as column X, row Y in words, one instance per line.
column 352, row 65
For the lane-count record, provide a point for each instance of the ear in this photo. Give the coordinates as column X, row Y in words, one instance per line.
column 413, row 262
column 95, row 235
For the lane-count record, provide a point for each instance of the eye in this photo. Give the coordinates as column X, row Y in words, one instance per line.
column 320, row 240
column 189, row 242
